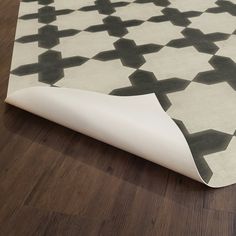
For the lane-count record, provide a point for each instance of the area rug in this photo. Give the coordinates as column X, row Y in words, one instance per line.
column 156, row 78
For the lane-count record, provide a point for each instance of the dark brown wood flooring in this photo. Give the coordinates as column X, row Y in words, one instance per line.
column 54, row 181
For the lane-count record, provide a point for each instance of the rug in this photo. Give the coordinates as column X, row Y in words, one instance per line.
column 117, row 70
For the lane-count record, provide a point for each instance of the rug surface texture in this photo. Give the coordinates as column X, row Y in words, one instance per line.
column 115, row 56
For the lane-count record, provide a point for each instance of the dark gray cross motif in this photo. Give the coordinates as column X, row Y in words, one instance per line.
column 202, row 42
column 203, row 143
column 114, row 26
column 41, row 2
column 175, row 16
column 224, row 6
column 128, row 52
column 50, row 66
column 162, row 3
column 104, row 6
column 224, row 71
column 48, row 36
column 145, row 82
column 46, row 14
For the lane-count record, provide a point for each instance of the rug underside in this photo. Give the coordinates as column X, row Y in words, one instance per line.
column 183, row 51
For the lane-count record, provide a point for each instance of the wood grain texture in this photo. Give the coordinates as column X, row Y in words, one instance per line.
column 54, row 181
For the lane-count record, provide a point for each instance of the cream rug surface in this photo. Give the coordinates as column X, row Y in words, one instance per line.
column 156, row 78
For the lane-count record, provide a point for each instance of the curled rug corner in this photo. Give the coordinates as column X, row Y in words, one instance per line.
column 136, row 124
column 156, row 79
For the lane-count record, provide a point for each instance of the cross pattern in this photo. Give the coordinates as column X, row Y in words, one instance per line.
column 145, row 82
column 128, row 52
column 224, row 71
column 204, row 143
column 114, row 26
column 41, row 2
column 202, row 42
column 162, row 3
column 46, row 14
column 104, row 6
column 175, row 16
column 224, row 6
column 48, row 36
column 50, row 66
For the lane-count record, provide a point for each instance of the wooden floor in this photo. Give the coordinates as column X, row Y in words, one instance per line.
column 54, row 181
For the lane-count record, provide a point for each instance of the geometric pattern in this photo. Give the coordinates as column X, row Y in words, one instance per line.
column 183, row 51
column 48, row 36
column 50, row 66
column 149, row 32
column 204, row 143
column 224, row 6
column 128, row 52
column 204, row 103
column 199, row 5
column 138, row 11
column 114, row 26
column 42, row 2
column 90, row 44
column 87, row 19
column 46, row 14
column 224, row 71
column 175, row 16
column 104, row 6
column 106, row 76
column 172, row 62
column 202, row 42
column 226, row 48
column 219, row 164
column 163, row 3
column 145, row 82
column 206, row 22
